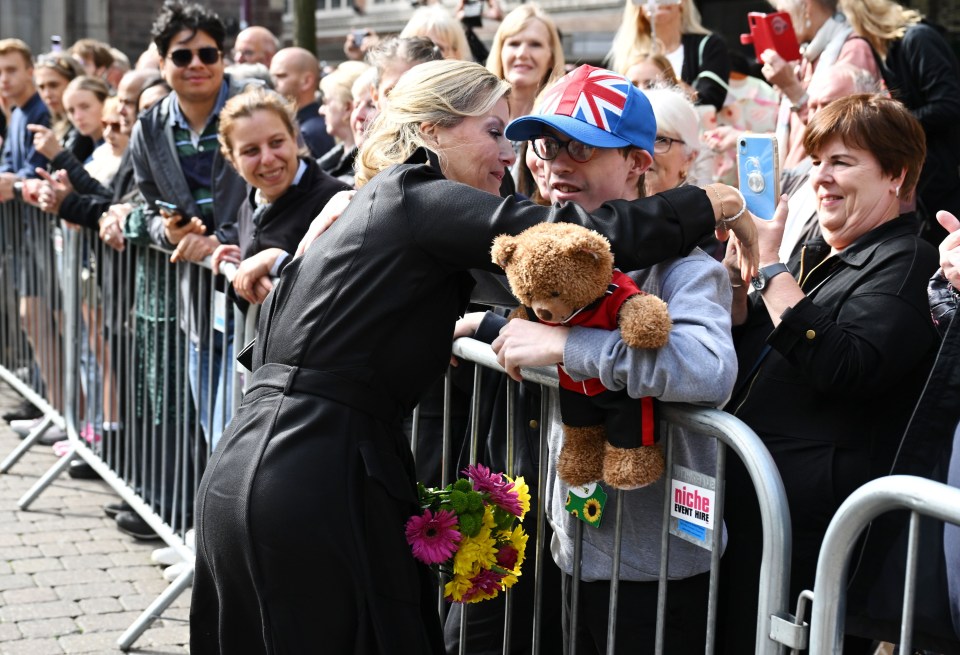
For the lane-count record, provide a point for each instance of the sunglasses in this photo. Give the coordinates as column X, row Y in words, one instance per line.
column 113, row 125
column 183, row 56
column 547, row 148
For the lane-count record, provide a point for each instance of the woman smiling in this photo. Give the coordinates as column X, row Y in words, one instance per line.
column 834, row 349
column 258, row 136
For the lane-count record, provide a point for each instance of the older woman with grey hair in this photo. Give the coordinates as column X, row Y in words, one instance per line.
column 677, row 144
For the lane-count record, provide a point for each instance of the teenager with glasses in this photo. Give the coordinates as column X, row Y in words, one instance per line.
column 592, row 166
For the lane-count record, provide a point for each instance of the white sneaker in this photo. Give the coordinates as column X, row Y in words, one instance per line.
column 166, row 556
column 25, row 426
column 173, row 572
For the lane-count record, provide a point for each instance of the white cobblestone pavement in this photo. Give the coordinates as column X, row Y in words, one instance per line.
column 70, row 582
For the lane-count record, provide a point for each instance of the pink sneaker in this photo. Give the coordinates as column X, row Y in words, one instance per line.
column 89, row 435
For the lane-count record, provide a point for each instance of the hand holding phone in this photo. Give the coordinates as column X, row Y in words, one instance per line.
column 171, row 209
column 758, row 172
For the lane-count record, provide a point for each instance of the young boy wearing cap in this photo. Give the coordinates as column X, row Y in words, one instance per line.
column 594, row 133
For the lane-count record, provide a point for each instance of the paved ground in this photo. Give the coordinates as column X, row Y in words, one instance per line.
column 69, row 581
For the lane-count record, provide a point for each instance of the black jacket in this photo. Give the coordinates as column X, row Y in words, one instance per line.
column 90, row 198
column 705, row 58
column 923, row 73
column 283, row 223
column 847, row 363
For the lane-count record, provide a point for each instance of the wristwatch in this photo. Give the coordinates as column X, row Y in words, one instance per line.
column 18, row 189
column 766, row 273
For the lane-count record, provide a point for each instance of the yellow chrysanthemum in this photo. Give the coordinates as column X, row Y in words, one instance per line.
column 518, row 539
column 523, row 495
column 488, row 521
column 456, row 588
column 475, row 553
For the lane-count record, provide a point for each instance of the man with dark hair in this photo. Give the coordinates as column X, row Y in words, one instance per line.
column 176, row 159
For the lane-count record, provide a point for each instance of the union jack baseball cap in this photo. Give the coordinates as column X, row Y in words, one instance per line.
column 594, row 106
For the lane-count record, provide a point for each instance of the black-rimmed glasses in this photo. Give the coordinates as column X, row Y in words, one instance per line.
column 183, row 56
column 662, row 144
column 548, row 147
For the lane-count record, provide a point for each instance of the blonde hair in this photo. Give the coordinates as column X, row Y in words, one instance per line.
column 8, row 46
column 879, row 21
column 513, row 23
column 338, row 85
column 442, row 93
column 245, row 105
column 436, row 18
column 94, row 85
column 667, row 74
column 633, row 37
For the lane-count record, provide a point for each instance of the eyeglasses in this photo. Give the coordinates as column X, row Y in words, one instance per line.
column 547, row 148
column 662, row 144
column 113, row 125
column 183, row 56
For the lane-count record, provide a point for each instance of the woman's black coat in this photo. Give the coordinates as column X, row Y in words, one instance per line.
column 301, row 510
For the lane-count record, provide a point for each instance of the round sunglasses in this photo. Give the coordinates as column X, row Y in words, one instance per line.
column 183, row 56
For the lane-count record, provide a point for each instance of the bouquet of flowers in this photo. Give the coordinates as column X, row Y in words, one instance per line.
column 470, row 531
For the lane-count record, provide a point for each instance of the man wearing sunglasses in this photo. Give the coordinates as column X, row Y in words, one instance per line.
column 594, row 134
column 177, row 159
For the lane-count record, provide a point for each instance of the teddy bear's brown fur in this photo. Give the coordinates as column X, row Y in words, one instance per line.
column 556, row 269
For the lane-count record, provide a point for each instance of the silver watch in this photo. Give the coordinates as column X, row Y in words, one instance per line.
column 766, row 273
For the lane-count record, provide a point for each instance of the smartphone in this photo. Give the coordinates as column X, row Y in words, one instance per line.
column 772, row 32
column 758, row 171
column 171, row 208
column 359, row 36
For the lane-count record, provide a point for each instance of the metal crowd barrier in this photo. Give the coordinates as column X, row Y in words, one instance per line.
column 130, row 323
column 128, row 326
column 896, row 492
column 31, row 320
column 730, row 433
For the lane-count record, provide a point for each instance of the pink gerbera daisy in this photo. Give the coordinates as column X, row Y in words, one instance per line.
column 501, row 492
column 433, row 537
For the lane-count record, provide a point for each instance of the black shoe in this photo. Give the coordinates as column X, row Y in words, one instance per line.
column 130, row 523
column 25, row 410
column 112, row 509
column 80, row 470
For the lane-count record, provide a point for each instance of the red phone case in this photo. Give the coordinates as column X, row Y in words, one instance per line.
column 772, row 32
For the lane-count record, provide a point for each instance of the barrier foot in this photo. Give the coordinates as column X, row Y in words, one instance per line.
column 25, row 445
column 46, row 479
column 156, row 608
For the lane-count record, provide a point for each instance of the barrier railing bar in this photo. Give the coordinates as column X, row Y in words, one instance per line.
column 664, row 543
column 917, row 495
column 910, row 585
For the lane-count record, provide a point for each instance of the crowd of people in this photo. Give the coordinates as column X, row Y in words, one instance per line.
column 357, row 205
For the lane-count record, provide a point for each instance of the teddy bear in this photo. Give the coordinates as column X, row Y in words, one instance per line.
column 564, row 275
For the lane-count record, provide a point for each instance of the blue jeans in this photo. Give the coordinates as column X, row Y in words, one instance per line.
column 214, row 359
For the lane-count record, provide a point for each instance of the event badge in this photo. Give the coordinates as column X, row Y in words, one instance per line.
column 586, row 503
column 692, row 506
